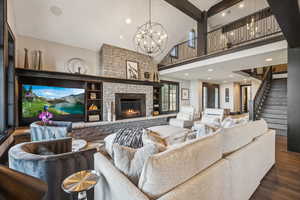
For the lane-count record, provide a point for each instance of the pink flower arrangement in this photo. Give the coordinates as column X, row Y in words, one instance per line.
column 45, row 116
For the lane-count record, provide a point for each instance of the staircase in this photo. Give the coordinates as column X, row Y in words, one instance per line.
column 274, row 109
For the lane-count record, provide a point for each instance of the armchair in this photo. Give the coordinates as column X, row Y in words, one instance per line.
column 51, row 161
column 17, row 186
column 184, row 118
column 58, row 129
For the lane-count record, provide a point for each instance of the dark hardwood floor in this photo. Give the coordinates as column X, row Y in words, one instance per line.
column 283, row 180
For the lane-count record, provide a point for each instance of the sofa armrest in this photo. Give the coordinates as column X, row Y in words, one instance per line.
column 181, row 123
column 113, row 184
column 16, row 185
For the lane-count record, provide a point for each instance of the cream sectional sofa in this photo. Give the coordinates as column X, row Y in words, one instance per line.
column 228, row 165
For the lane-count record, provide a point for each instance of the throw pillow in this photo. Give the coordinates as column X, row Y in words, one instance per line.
column 131, row 161
column 130, row 137
column 109, row 141
column 228, row 123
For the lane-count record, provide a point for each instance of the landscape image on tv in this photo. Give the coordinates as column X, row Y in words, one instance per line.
column 59, row 100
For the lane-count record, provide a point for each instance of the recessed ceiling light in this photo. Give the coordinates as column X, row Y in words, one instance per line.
column 56, row 11
column 225, row 81
column 231, row 76
column 128, row 21
column 208, row 78
column 269, row 59
column 210, row 70
column 231, row 33
column 186, row 74
column 242, row 5
column 121, row 37
column 223, row 14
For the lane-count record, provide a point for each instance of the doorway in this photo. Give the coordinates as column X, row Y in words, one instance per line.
column 245, row 98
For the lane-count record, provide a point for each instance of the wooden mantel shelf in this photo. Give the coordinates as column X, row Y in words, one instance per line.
column 21, row 72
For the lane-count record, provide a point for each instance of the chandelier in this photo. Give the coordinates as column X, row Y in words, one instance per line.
column 151, row 38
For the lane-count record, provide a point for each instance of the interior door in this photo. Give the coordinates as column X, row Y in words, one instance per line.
column 210, row 96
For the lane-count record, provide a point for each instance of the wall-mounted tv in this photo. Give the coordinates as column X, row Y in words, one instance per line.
column 61, row 102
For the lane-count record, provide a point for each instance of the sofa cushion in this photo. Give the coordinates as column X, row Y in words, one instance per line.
column 164, row 171
column 238, row 136
column 131, row 161
column 109, row 140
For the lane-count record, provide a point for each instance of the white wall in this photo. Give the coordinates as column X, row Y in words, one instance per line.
column 196, row 95
column 56, row 55
column 255, row 84
column 230, row 104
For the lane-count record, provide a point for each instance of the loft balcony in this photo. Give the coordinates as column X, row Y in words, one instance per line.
column 257, row 29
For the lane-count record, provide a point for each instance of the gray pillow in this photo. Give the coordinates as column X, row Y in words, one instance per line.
column 131, row 161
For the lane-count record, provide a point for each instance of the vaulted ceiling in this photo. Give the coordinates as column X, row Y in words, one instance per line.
column 89, row 24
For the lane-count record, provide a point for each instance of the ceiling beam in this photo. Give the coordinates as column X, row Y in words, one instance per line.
column 288, row 18
column 187, row 7
column 223, row 5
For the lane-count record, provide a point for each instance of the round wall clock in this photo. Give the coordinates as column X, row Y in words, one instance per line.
column 76, row 66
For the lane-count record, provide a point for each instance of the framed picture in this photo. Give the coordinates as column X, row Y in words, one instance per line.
column 132, row 70
column 185, row 94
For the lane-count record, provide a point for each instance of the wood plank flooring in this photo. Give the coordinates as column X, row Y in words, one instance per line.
column 283, row 180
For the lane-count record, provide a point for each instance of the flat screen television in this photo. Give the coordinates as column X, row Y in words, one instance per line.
column 63, row 103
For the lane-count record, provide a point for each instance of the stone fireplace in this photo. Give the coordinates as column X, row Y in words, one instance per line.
column 129, row 105
column 111, row 91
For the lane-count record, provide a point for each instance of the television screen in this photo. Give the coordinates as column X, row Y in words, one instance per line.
column 58, row 100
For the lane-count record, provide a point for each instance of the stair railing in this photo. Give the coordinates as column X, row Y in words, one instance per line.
column 257, row 103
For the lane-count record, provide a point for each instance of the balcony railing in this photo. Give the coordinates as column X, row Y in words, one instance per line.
column 251, row 29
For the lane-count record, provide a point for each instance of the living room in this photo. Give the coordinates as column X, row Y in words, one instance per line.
column 163, row 99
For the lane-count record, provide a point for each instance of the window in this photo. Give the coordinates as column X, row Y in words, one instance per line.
column 174, row 52
column 169, row 96
column 7, row 85
column 192, row 39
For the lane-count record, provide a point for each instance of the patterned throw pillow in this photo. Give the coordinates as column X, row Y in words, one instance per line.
column 129, row 137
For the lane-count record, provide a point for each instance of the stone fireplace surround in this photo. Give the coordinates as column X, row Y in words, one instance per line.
column 110, row 89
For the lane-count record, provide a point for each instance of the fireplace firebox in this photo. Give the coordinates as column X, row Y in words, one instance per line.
column 129, row 105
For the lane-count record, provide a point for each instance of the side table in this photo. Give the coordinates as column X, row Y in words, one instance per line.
column 80, row 182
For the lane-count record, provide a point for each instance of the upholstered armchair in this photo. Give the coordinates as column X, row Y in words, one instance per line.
column 58, row 129
column 184, row 118
column 51, row 161
column 18, row 186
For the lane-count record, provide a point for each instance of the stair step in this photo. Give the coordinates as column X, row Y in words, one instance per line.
column 277, row 126
column 281, row 132
column 273, row 116
column 275, row 107
column 268, row 103
column 272, row 111
column 276, row 121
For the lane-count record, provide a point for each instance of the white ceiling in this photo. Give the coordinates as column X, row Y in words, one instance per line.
column 236, row 12
column 204, row 4
column 89, row 24
column 225, row 66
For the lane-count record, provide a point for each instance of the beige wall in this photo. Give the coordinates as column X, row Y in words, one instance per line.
column 56, row 55
column 11, row 17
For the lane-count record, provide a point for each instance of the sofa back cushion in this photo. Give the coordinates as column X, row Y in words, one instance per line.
column 164, row 171
column 238, row 136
